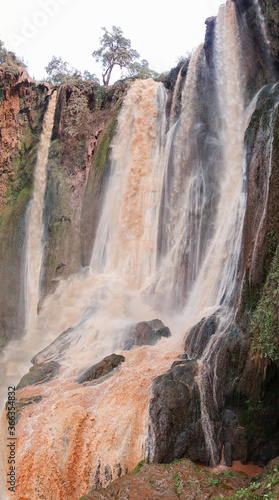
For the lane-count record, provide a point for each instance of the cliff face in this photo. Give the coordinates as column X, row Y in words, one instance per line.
column 22, row 106
column 270, row 11
column 257, row 392
column 244, row 416
column 84, row 122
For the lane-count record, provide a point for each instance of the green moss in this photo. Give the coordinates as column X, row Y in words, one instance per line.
column 100, row 94
column 138, row 467
column 177, row 481
column 51, row 262
column 263, row 487
column 103, row 145
column 264, row 323
column 21, row 198
column 215, row 481
column 59, row 228
column 152, row 483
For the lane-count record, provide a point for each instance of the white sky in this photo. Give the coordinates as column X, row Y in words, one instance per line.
column 38, row 29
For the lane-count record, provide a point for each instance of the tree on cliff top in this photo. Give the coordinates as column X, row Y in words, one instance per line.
column 59, row 72
column 115, row 50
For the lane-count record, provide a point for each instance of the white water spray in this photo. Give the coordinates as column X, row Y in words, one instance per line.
column 217, row 281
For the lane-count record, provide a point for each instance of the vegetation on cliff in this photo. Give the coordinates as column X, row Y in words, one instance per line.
column 185, row 480
column 264, row 324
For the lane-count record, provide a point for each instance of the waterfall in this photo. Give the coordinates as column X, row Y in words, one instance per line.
column 216, row 281
column 182, row 200
column 167, row 246
column 216, row 285
column 126, row 236
column 34, row 234
column 175, row 105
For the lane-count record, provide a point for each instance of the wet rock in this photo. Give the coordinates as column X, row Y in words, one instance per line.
column 104, row 367
column 179, row 362
column 23, row 402
column 209, row 38
column 60, row 266
column 39, row 374
column 56, row 349
column 235, row 442
column 175, row 429
column 200, row 334
column 145, row 333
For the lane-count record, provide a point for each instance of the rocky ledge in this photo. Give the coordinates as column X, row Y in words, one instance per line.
column 185, row 480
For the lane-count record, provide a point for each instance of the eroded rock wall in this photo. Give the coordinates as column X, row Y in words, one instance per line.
column 22, row 106
column 243, row 409
column 85, row 119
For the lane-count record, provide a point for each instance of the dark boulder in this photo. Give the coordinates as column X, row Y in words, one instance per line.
column 56, row 349
column 39, row 374
column 235, row 442
column 104, row 367
column 199, row 336
column 175, row 429
column 145, row 333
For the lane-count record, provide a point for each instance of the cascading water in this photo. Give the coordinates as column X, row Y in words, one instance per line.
column 34, row 246
column 126, row 237
column 262, row 21
column 182, row 201
column 96, row 308
column 217, row 281
column 168, row 239
column 14, row 360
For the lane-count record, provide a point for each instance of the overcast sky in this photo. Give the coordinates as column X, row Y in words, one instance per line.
column 161, row 32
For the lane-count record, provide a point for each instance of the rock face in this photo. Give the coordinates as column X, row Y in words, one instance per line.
column 38, row 374
column 243, row 409
column 22, row 105
column 270, row 10
column 199, row 336
column 84, row 122
column 175, row 419
column 145, row 333
column 104, row 367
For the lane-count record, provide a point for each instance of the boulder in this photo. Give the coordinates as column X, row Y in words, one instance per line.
column 175, row 429
column 39, row 374
column 145, row 333
column 104, row 367
column 56, row 349
column 199, row 336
